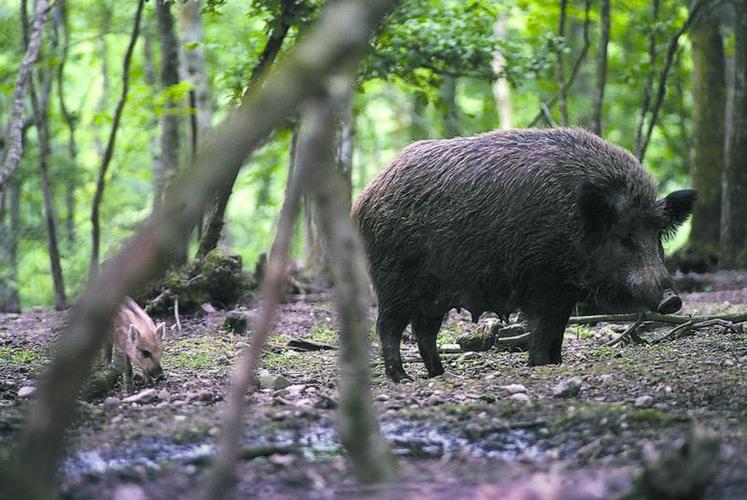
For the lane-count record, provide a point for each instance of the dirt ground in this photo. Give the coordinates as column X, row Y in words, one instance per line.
column 490, row 428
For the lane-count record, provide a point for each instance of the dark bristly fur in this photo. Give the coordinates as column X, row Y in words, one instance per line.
column 531, row 219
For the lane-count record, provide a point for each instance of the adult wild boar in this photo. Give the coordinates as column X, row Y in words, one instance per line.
column 138, row 342
column 524, row 219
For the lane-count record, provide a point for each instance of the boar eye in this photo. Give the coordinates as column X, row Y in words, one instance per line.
column 145, row 353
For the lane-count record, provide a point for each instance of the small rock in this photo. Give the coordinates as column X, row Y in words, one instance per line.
column 143, row 397
column 514, row 388
column 180, row 418
column 520, row 396
column 129, row 492
column 207, row 307
column 450, row 348
column 241, row 345
column 468, row 355
column 202, row 395
column 568, row 388
column 111, row 402
column 644, row 401
column 382, row 397
column 27, row 391
column 295, row 390
column 270, row 381
column 164, row 395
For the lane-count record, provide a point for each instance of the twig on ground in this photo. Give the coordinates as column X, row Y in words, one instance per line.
column 687, row 329
column 176, row 315
column 630, row 334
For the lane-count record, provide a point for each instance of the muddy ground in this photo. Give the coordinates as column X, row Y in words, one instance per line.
column 467, row 434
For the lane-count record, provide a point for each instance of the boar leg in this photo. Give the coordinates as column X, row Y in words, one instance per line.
column 547, row 325
column 127, row 374
column 390, row 324
column 106, row 352
column 426, row 330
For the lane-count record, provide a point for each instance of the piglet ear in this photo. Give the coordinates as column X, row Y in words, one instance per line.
column 598, row 210
column 133, row 333
column 677, row 206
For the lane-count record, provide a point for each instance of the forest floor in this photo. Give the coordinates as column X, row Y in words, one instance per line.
column 490, row 428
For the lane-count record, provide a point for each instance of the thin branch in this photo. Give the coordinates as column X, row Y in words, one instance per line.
column 650, row 316
column 109, row 151
column 574, row 71
column 15, row 124
column 695, row 10
column 559, row 70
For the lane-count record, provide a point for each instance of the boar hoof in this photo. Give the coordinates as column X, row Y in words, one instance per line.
column 398, row 376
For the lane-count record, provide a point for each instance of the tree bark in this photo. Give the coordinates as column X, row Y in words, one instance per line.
column 61, row 17
column 109, row 151
column 708, row 135
column 14, row 148
column 501, row 89
column 451, row 109
column 338, row 39
column 10, row 301
column 734, row 209
column 604, row 38
column 169, row 77
column 559, row 65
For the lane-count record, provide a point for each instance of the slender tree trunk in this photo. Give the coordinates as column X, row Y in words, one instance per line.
column 190, row 18
column 451, row 109
column 169, row 77
column 734, row 210
column 418, row 125
column 9, row 226
column 559, row 65
column 61, row 17
column 14, row 148
column 501, row 89
column 109, row 151
column 103, row 48
column 708, row 135
column 150, row 78
column 604, row 38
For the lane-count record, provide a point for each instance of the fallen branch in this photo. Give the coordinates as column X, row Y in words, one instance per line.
column 630, row 334
column 687, row 329
column 651, row 316
column 309, row 345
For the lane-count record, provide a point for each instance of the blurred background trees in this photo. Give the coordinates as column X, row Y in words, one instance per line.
column 436, row 69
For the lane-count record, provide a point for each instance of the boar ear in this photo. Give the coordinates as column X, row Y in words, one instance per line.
column 133, row 333
column 160, row 330
column 677, row 207
column 598, row 209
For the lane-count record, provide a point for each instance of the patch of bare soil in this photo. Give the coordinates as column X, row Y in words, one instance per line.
column 490, row 428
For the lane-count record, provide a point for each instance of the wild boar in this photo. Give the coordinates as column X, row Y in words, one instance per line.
column 531, row 219
column 138, row 342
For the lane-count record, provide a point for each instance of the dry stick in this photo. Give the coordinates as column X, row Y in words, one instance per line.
column 574, row 71
column 371, row 456
column 15, row 124
column 630, row 333
column 109, row 151
column 680, row 330
column 339, row 36
column 671, row 51
column 650, row 316
column 176, row 315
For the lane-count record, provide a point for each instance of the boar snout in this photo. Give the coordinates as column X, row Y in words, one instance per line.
column 670, row 302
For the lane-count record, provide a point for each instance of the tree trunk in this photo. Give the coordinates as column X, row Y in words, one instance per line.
column 10, row 301
column 169, row 76
column 190, row 18
column 707, row 141
column 559, row 65
column 451, row 110
column 418, row 125
column 501, row 89
column 61, row 17
column 604, row 38
column 149, row 71
column 734, row 209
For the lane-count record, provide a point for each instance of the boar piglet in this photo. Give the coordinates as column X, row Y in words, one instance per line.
column 531, row 219
column 138, row 342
